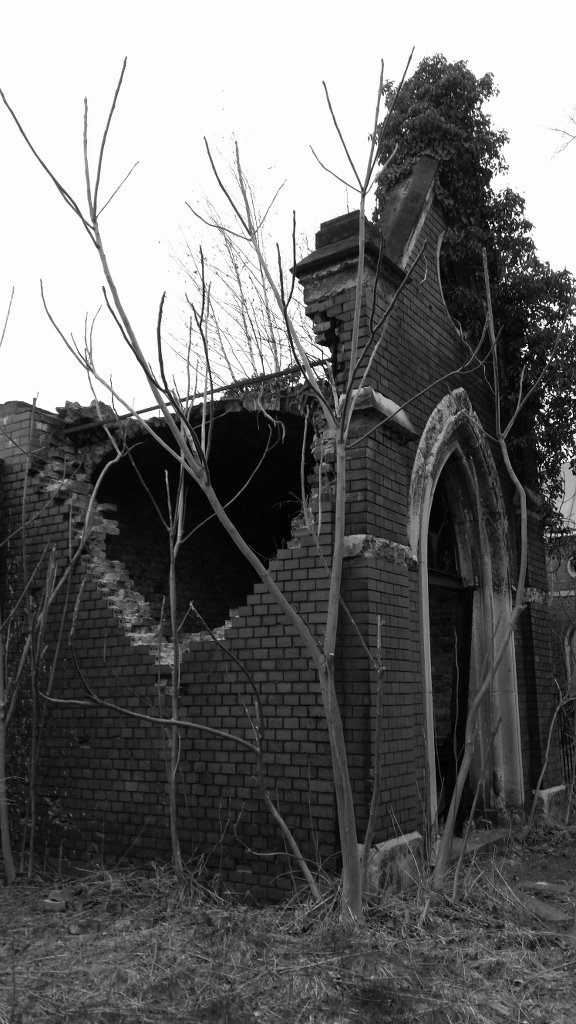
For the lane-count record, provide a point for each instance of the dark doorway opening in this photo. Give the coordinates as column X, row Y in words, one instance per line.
column 450, row 604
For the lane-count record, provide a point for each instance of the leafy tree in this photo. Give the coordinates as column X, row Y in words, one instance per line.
column 440, row 112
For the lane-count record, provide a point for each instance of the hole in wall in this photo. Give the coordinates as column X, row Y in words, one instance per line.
column 265, row 494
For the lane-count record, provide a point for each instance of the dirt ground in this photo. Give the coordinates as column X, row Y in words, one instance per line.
column 548, row 855
column 132, row 948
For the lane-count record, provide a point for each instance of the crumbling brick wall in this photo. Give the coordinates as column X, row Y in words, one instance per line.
column 105, row 773
column 109, row 771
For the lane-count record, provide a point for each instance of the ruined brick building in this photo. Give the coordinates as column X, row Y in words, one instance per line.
column 432, row 548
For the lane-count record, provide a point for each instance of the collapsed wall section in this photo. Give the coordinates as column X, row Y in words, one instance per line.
column 255, row 469
column 106, row 773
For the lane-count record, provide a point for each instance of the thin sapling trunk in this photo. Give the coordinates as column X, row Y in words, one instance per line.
column 7, row 857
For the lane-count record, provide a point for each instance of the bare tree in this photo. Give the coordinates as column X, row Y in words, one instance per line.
column 244, row 324
column 193, row 449
column 335, row 397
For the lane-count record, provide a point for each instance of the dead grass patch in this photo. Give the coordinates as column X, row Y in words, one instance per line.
column 123, row 949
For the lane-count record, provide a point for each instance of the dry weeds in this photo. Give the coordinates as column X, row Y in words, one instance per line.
column 124, row 949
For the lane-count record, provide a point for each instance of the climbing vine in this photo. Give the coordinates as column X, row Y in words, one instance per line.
column 440, row 112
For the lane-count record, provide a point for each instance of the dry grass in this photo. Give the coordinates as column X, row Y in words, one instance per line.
column 128, row 949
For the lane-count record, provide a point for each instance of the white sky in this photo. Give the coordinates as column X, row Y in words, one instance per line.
column 253, row 71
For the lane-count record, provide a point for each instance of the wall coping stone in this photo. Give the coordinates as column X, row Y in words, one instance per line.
column 395, row 418
column 365, row 545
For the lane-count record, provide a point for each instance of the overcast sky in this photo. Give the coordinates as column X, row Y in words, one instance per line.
column 250, row 71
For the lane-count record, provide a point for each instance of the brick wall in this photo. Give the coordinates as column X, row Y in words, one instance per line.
column 420, row 345
column 103, row 774
column 106, row 767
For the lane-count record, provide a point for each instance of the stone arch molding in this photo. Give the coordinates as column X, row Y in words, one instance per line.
column 453, row 442
column 453, row 429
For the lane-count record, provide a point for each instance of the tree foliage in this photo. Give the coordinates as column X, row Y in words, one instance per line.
column 440, row 112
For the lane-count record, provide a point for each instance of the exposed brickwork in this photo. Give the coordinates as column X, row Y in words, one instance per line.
column 104, row 774
column 421, row 345
column 122, row 761
column 98, row 768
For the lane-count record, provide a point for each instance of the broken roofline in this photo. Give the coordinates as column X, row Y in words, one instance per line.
column 262, row 378
column 386, row 243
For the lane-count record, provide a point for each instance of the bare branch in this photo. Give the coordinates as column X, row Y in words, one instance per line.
column 270, row 205
column 353, row 188
column 218, row 227
column 63, row 192
column 184, row 723
column 116, row 190
column 225, row 190
column 390, row 112
column 340, row 136
column 2, row 336
column 104, row 139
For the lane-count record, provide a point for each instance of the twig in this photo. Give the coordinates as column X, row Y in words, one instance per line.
column 2, row 336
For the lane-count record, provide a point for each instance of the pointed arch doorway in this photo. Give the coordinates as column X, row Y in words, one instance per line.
column 459, row 536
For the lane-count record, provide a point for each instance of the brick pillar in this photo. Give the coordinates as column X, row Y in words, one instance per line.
column 378, row 579
column 22, row 437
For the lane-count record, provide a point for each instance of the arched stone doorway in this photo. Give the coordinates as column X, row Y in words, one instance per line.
column 459, row 537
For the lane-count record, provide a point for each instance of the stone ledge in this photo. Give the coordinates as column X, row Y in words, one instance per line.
column 396, row 864
column 368, row 401
column 365, row 545
column 551, row 804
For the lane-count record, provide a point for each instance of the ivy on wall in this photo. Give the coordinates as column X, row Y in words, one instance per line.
column 440, row 112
